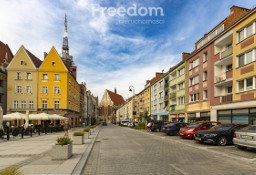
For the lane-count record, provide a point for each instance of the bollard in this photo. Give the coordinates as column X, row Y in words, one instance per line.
column 38, row 130
column 22, row 132
column 7, row 134
column 30, row 129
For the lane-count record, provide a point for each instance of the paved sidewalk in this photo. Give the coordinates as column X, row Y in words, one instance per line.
column 32, row 154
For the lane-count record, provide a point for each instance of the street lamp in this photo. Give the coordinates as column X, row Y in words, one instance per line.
column 132, row 89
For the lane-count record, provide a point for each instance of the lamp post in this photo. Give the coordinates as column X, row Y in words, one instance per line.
column 132, row 89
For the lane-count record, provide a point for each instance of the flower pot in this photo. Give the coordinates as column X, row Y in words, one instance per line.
column 78, row 140
column 61, row 152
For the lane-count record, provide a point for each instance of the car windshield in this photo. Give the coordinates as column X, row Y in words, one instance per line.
column 221, row 127
column 194, row 125
column 251, row 128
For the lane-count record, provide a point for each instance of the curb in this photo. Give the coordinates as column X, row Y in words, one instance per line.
column 79, row 168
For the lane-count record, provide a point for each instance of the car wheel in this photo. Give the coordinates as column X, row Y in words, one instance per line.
column 222, row 141
column 241, row 147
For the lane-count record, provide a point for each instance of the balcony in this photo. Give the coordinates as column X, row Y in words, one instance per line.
column 226, row 98
column 220, row 78
column 161, row 99
column 173, row 95
column 226, row 53
column 166, row 97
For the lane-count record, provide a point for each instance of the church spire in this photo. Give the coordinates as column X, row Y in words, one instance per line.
column 65, row 48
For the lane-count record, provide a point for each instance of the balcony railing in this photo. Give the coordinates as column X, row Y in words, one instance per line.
column 220, row 78
column 172, row 95
column 226, row 98
column 226, row 53
column 166, row 97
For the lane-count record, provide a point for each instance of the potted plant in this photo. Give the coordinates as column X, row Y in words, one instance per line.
column 87, row 130
column 62, row 149
column 78, row 138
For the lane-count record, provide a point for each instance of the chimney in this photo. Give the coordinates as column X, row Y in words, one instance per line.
column 115, row 90
column 45, row 55
column 185, row 55
column 73, row 70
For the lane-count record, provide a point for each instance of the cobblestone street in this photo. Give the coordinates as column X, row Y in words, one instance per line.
column 122, row 151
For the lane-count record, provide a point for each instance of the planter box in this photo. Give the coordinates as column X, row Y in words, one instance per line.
column 61, row 152
column 78, row 140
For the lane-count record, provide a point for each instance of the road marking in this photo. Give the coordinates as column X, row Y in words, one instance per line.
column 178, row 169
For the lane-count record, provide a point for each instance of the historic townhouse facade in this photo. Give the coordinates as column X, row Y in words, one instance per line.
column 109, row 104
column 58, row 90
column 22, row 82
column 5, row 58
column 176, row 94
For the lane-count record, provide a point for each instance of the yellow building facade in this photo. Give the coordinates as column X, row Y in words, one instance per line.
column 58, row 90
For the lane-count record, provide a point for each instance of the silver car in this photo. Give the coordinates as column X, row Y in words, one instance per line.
column 245, row 137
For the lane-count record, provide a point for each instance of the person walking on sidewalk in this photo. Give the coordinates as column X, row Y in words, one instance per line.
column 66, row 127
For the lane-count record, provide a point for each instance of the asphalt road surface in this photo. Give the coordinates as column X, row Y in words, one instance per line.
column 125, row 151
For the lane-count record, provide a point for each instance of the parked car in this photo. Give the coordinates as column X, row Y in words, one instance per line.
column 189, row 130
column 156, row 126
column 221, row 134
column 245, row 137
column 173, row 128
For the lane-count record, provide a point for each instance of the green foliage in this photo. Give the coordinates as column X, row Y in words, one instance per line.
column 93, row 126
column 86, row 129
column 10, row 171
column 78, row 133
column 64, row 140
column 141, row 125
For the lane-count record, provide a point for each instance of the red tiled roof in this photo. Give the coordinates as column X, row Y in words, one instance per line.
column 35, row 60
column 4, row 48
column 116, row 98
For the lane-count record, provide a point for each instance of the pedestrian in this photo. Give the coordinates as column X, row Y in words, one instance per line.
column 66, row 128
column 149, row 125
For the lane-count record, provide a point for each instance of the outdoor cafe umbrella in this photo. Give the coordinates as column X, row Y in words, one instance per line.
column 57, row 117
column 40, row 116
column 14, row 116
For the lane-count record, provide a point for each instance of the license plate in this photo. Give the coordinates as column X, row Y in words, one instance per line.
column 196, row 138
column 247, row 137
column 181, row 134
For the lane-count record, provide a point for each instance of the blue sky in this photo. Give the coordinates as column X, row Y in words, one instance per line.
column 110, row 54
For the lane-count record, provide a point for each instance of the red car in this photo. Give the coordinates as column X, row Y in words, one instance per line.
column 189, row 131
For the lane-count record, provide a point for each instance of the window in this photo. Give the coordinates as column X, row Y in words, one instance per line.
column 246, row 32
column 194, row 80
column 45, row 90
column 229, row 89
column 205, row 76
column 246, row 84
column 45, row 76
column 181, row 71
column 194, row 97
column 205, row 57
column 246, row 58
column 193, row 64
column 28, row 76
column 23, row 63
column 31, row 104
column 53, row 63
column 18, row 89
column 56, row 104
column 23, row 104
column 57, row 77
column 15, row 104
column 249, row 30
column 56, row 90
column 44, row 104
column 181, row 100
column 28, row 90
column 18, row 76
column 229, row 67
column 181, row 85
column 205, row 95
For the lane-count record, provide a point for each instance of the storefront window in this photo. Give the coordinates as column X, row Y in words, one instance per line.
column 240, row 120
column 226, row 112
column 226, row 119
column 240, row 111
